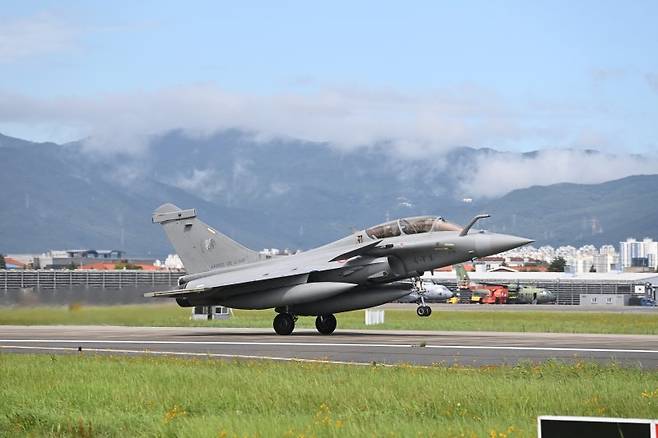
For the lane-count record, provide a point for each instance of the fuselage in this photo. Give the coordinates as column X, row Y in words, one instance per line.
column 395, row 258
column 364, row 269
column 531, row 295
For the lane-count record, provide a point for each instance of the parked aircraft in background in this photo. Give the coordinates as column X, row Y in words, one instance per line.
column 480, row 293
column 361, row 270
column 498, row 293
column 425, row 291
column 524, row 294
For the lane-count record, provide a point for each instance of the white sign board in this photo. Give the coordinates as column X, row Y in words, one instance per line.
column 374, row 316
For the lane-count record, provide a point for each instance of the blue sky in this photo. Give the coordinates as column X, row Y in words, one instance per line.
column 504, row 74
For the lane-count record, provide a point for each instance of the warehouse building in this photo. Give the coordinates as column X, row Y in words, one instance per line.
column 568, row 287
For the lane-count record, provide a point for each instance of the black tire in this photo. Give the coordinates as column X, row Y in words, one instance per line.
column 283, row 324
column 325, row 324
column 428, row 310
column 420, row 311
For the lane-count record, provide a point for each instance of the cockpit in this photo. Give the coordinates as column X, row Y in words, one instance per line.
column 411, row 225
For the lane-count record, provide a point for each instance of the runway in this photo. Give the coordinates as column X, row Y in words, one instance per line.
column 359, row 347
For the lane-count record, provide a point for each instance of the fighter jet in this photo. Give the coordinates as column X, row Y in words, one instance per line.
column 426, row 291
column 362, row 270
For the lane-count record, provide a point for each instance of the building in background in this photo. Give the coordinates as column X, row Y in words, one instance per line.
column 587, row 258
column 75, row 258
column 638, row 255
column 171, row 263
column 102, row 259
column 12, row 263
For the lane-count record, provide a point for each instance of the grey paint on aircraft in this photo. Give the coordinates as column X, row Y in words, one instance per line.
column 361, row 270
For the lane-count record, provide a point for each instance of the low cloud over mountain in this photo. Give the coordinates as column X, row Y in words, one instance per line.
column 496, row 174
column 405, row 127
column 291, row 193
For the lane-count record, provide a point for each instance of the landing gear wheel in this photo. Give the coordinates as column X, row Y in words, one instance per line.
column 326, row 324
column 284, row 324
column 428, row 311
column 423, row 311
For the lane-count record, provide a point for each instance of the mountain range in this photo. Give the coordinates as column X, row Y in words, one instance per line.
column 283, row 194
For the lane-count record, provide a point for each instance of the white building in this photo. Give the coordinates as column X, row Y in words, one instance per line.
column 638, row 253
column 606, row 262
column 173, row 262
column 581, row 260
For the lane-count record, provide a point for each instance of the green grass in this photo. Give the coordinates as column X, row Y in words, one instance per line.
column 521, row 321
column 80, row 395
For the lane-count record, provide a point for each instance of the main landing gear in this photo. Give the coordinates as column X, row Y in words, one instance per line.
column 326, row 324
column 284, row 324
column 424, row 311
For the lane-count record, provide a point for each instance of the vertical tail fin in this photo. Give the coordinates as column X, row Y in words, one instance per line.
column 463, row 280
column 200, row 247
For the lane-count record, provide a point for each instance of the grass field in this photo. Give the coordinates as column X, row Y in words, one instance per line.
column 75, row 395
column 172, row 315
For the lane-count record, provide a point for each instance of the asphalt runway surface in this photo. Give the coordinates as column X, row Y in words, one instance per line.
column 359, row 347
column 525, row 308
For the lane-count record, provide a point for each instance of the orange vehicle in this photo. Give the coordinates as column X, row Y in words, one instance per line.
column 497, row 295
column 481, row 293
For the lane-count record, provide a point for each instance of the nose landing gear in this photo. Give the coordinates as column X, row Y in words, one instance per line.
column 423, row 310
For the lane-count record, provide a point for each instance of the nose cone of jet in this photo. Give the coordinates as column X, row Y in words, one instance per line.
column 489, row 244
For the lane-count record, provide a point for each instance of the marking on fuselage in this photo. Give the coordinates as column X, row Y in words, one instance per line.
column 423, row 258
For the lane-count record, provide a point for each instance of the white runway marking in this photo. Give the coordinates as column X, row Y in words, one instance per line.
column 329, row 344
column 187, row 353
column 504, row 347
column 256, row 343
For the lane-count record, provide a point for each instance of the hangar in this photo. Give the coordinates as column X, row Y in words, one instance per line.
column 566, row 286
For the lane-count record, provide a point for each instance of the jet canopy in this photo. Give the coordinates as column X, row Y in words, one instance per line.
column 411, row 225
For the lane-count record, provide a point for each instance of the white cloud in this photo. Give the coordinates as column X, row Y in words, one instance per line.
column 411, row 124
column 607, row 74
column 279, row 189
column 402, row 125
column 205, row 183
column 36, row 35
column 495, row 175
column 652, row 80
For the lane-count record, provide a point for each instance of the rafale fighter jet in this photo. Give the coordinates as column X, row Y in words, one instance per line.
column 359, row 271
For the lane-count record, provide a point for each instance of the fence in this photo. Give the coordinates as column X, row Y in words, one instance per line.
column 58, row 279
column 92, row 287
column 568, row 291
